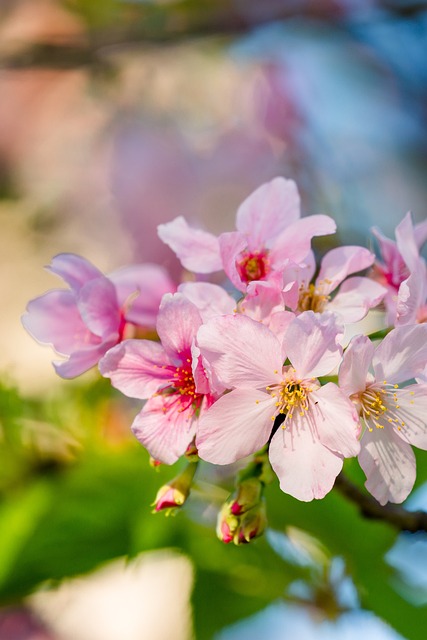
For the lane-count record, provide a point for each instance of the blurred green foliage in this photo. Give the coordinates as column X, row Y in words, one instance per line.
column 76, row 490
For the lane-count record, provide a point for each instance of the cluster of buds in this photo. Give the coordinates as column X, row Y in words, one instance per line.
column 243, row 516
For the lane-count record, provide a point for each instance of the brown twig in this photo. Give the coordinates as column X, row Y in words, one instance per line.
column 395, row 515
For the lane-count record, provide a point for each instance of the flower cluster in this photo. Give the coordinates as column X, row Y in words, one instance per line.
column 267, row 367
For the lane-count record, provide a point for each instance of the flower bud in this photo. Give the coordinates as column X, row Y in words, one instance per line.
column 252, row 524
column 247, row 495
column 241, row 529
column 227, row 524
column 173, row 494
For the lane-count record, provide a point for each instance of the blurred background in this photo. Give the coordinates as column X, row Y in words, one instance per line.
column 116, row 116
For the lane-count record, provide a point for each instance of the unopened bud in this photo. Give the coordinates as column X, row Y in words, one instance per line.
column 246, row 496
column 174, row 494
column 252, row 524
column 227, row 524
column 241, row 529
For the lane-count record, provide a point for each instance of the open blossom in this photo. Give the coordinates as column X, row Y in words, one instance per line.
column 395, row 417
column 82, row 323
column 411, row 300
column 170, row 375
column 269, row 235
column 350, row 298
column 402, row 271
column 319, row 425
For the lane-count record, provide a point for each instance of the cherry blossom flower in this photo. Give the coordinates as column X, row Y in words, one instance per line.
column 269, row 234
column 395, row 417
column 403, row 271
column 170, row 375
column 353, row 297
column 319, row 423
column 82, row 323
column 410, row 303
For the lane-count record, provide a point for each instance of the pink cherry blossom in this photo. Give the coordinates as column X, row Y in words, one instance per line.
column 170, row 375
column 402, row 271
column 269, row 234
column 319, row 423
column 395, row 417
column 411, row 302
column 82, row 323
column 353, row 297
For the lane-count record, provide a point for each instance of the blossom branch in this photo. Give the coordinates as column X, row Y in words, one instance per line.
column 394, row 514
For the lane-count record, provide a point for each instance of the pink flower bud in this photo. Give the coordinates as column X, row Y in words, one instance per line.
column 173, row 494
column 169, row 498
column 248, row 494
column 227, row 524
column 241, row 529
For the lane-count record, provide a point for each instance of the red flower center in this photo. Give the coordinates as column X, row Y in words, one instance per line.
column 182, row 390
column 253, row 265
column 184, row 380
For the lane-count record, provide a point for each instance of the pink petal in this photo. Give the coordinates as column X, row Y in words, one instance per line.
column 53, row 318
column 402, row 354
column 177, row 324
column 311, row 344
column 406, row 243
column 306, row 469
column 81, row 361
column 421, row 233
column 262, row 299
column 98, row 306
column 412, row 295
column 294, row 243
column 340, row 263
column 238, row 424
column 165, row 434
column 150, row 282
column 242, row 352
column 210, row 299
column 412, row 402
column 197, row 250
column 75, row 270
column 388, row 250
column 389, row 465
column 296, row 276
column 278, row 324
column 291, row 295
column 335, row 420
column 354, row 368
column 201, row 380
column 267, row 211
column 355, row 298
column 138, row 368
column 231, row 246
